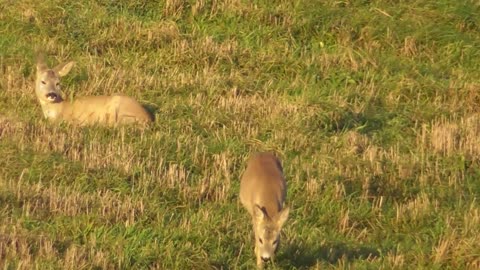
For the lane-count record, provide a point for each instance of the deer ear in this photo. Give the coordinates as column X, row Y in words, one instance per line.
column 258, row 212
column 64, row 68
column 41, row 65
column 283, row 216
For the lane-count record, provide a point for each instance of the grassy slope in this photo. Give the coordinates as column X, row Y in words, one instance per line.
column 372, row 106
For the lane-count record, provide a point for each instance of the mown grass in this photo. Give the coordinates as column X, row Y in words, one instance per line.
column 371, row 105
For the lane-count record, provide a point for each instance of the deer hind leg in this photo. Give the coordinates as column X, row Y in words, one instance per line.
column 114, row 111
column 126, row 118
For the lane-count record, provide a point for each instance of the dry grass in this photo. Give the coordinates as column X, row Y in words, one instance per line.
column 372, row 107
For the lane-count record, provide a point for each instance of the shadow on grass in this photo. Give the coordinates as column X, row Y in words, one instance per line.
column 305, row 256
column 151, row 109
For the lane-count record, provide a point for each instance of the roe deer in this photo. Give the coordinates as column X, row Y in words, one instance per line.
column 262, row 192
column 107, row 110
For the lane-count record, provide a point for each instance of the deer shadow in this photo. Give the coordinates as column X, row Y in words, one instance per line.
column 302, row 256
column 151, row 109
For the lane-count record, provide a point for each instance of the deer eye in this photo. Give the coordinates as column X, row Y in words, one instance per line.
column 260, row 240
column 275, row 242
column 43, row 82
column 58, row 84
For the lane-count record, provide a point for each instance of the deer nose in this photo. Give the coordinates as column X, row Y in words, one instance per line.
column 51, row 95
column 265, row 259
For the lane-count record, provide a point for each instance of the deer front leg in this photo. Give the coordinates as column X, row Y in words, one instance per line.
column 259, row 258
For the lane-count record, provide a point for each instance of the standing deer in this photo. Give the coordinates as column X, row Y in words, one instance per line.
column 107, row 110
column 262, row 192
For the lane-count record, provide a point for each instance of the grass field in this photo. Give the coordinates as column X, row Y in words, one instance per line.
column 373, row 107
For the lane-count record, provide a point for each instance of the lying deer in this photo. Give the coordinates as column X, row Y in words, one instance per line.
column 262, row 193
column 107, row 110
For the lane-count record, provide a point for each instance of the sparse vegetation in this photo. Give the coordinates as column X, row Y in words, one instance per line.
column 373, row 107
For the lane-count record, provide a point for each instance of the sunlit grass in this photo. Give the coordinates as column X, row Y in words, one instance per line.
column 371, row 106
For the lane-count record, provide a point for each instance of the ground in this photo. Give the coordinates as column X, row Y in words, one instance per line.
column 372, row 106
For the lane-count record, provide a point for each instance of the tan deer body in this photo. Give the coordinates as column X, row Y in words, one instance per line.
column 106, row 110
column 262, row 192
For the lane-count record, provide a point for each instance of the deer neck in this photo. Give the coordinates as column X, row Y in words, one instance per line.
column 54, row 110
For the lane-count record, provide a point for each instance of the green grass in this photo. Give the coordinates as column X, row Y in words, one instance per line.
column 371, row 105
